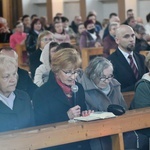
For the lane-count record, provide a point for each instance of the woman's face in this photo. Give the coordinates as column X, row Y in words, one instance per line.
column 37, row 26
column 106, row 77
column 81, row 28
column 59, row 28
column 8, row 79
column 52, row 51
column 46, row 39
column 20, row 28
column 67, row 76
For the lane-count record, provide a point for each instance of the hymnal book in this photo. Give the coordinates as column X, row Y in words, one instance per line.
column 96, row 116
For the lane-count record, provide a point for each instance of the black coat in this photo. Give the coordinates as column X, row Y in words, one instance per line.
column 35, row 61
column 20, row 117
column 51, row 106
column 31, row 42
column 25, row 83
column 123, row 72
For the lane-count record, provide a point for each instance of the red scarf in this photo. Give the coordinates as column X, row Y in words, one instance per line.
column 66, row 89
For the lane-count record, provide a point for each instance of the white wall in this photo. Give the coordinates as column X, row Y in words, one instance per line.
column 108, row 8
column 30, row 7
column 143, row 9
column 71, row 9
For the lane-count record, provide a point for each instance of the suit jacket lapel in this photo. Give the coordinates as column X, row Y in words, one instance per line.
column 124, row 62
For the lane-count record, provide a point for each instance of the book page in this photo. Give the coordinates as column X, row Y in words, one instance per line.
column 96, row 116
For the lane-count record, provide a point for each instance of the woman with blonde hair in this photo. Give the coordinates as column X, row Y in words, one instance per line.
column 43, row 38
column 54, row 101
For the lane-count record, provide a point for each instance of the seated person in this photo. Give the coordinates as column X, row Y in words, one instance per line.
column 60, row 34
column 5, row 32
column 141, row 43
column 42, row 72
column 101, row 90
column 81, row 29
column 93, row 18
column 15, row 105
column 68, row 30
column 18, row 37
column 109, row 41
column 142, row 93
column 43, row 38
column 24, row 83
column 89, row 38
column 128, row 66
column 55, row 102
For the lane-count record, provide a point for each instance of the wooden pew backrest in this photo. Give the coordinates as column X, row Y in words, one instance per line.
column 128, row 97
column 145, row 53
column 112, row 50
column 21, row 50
column 3, row 45
column 87, row 52
column 64, row 132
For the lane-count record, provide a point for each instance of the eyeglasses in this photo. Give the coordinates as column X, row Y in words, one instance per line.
column 46, row 39
column 69, row 73
column 103, row 79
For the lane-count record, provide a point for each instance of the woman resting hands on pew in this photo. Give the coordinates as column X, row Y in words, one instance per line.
column 54, row 101
column 101, row 90
column 15, row 105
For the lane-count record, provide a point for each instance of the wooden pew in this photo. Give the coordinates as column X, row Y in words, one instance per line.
column 20, row 49
column 112, row 50
column 3, row 45
column 145, row 53
column 128, row 97
column 62, row 133
column 87, row 52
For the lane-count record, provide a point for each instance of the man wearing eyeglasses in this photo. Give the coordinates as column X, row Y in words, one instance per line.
column 128, row 65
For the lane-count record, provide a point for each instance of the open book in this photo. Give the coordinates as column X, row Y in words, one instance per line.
column 96, row 116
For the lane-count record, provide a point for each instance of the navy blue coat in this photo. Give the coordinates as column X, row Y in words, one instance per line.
column 51, row 106
column 20, row 117
column 123, row 72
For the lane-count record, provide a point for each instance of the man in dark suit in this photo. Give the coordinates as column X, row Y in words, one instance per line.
column 123, row 71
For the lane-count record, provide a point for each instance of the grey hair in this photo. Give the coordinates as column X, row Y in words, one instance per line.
column 96, row 67
column 139, row 28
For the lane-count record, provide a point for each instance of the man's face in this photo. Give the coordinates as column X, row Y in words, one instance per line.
column 125, row 38
column 130, row 14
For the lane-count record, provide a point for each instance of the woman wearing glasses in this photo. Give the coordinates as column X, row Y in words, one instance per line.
column 54, row 101
column 101, row 90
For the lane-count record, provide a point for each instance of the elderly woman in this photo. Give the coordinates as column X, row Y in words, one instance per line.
column 101, row 90
column 54, row 101
column 15, row 105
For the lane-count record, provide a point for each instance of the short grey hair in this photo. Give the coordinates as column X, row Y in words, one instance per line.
column 96, row 67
